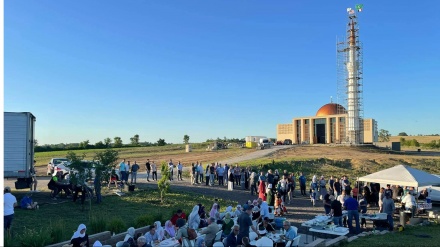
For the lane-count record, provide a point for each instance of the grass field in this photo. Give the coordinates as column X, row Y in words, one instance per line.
column 61, row 218
column 411, row 236
column 420, row 139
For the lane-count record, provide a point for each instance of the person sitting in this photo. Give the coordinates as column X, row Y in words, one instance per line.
column 129, row 237
column 178, row 215
column 256, row 213
column 152, row 235
column 246, row 242
column 227, row 226
column 182, row 230
column 423, row 194
column 265, row 227
column 232, row 238
column 170, row 232
column 80, row 237
column 27, row 203
column 141, row 242
column 290, row 232
column 210, row 231
column 56, row 186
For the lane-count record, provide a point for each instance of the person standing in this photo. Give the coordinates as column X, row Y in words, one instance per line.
column 352, row 207
column 9, row 202
column 196, row 168
column 193, row 173
column 244, row 221
column 220, row 172
column 127, row 171
column 388, row 208
column 134, row 169
column 179, row 171
column 231, row 178
column 201, row 174
column 97, row 187
column 171, row 169
column 34, row 177
column 154, row 170
column 336, row 211
column 336, row 188
column 331, row 182
column 302, row 184
column 122, row 170
column 148, row 167
column 253, row 182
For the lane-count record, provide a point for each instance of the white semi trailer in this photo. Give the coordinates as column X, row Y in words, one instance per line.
column 19, row 136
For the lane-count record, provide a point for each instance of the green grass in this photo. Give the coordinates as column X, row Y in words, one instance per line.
column 411, row 236
column 65, row 217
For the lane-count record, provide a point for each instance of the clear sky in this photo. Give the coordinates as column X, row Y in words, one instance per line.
column 211, row 68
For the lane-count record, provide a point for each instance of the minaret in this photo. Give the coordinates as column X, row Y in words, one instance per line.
column 353, row 81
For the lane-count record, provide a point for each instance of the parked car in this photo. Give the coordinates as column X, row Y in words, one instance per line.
column 287, row 142
column 433, row 190
column 60, row 163
column 279, row 143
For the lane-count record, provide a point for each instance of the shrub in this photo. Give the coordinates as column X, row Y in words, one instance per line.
column 144, row 220
column 57, row 231
column 35, row 238
column 98, row 223
column 116, row 225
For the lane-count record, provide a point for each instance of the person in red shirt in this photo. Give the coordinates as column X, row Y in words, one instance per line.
column 179, row 215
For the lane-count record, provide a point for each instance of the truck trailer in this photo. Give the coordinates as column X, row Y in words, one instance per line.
column 19, row 139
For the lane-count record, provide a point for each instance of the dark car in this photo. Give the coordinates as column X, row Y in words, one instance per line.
column 287, row 142
column 279, row 143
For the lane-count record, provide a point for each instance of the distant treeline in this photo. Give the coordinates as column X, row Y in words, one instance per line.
column 414, row 143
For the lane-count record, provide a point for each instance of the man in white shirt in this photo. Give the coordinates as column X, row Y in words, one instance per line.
column 10, row 202
column 179, row 171
column 264, row 208
column 154, row 170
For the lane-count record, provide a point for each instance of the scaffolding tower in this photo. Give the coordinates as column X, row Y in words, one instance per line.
column 350, row 83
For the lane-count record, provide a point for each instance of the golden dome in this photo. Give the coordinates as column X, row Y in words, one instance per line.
column 331, row 109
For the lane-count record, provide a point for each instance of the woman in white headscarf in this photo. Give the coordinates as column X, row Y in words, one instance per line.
column 194, row 218
column 80, row 237
column 214, row 212
column 129, row 237
column 159, row 230
column 238, row 211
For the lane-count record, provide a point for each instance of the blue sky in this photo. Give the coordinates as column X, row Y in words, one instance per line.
column 163, row 69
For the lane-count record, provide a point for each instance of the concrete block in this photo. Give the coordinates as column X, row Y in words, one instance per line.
column 362, row 234
column 352, row 238
column 336, row 241
column 319, row 242
column 415, row 221
column 384, row 232
column 92, row 238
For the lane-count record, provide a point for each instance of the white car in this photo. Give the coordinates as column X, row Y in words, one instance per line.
column 60, row 163
column 433, row 190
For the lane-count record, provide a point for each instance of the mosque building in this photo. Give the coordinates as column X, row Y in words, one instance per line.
column 328, row 126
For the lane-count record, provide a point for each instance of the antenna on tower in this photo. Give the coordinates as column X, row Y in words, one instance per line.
column 331, row 99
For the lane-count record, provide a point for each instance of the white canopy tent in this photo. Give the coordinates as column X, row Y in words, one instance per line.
column 402, row 175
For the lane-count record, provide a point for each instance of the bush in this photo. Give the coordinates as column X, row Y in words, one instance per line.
column 144, row 220
column 35, row 238
column 117, row 225
column 98, row 223
column 57, row 231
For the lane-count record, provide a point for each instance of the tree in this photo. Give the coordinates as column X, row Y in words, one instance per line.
column 84, row 144
column 118, row 142
column 107, row 141
column 100, row 144
column 79, row 168
column 35, row 142
column 161, row 142
column 186, row 139
column 402, row 134
column 135, row 140
column 163, row 184
column 106, row 162
column 384, row 135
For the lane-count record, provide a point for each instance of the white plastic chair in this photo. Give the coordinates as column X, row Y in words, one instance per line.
column 218, row 244
column 252, row 236
column 225, row 241
column 296, row 241
column 218, row 236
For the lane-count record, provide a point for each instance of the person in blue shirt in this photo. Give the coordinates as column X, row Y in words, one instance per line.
column 352, row 207
column 290, row 232
column 152, row 235
column 302, row 184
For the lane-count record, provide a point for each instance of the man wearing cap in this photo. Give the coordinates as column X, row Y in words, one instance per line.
column 352, row 207
column 244, row 221
column 388, row 208
column 9, row 202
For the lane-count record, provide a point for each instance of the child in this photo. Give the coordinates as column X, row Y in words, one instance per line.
column 278, row 201
column 313, row 197
column 283, row 207
column 27, row 203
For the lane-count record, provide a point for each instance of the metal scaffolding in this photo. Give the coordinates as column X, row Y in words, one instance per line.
column 350, row 82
